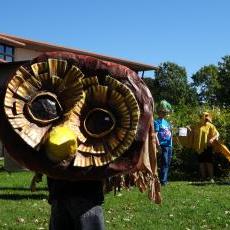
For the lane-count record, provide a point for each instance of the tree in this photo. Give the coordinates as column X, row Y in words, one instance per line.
column 224, row 81
column 207, row 83
column 150, row 82
column 172, row 85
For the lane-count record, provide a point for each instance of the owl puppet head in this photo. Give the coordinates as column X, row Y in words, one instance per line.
column 75, row 117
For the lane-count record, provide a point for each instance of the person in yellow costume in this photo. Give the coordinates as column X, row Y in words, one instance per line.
column 204, row 133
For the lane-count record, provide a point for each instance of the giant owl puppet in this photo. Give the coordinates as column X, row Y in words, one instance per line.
column 75, row 117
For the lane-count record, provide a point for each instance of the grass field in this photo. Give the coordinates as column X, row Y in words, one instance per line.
column 185, row 206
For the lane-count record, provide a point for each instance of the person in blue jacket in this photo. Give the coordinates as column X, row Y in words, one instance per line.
column 163, row 132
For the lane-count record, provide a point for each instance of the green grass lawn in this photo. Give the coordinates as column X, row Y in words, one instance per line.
column 185, row 206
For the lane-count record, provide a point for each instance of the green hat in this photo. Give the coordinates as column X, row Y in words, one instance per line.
column 164, row 106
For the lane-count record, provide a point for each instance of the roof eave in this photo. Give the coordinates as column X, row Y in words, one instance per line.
column 44, row 47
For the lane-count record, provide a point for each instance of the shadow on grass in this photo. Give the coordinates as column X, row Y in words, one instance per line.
column 223, row 183
column 23, row 197
column 21, row 189
column 2, row 169
column 205, row 183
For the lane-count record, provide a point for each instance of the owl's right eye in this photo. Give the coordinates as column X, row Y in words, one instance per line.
column 44, row 108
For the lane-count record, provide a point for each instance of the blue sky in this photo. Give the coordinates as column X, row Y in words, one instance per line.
column 190, row 33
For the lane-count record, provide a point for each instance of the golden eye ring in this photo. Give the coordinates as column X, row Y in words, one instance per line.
column 47, row 96
column 108, row 116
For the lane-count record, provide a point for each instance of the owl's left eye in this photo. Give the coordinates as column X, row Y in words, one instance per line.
column 99, row 122
column 44, row 108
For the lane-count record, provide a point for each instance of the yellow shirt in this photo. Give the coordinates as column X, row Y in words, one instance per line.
column 201, row 134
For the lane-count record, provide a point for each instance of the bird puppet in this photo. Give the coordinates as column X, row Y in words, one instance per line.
column 75, row 117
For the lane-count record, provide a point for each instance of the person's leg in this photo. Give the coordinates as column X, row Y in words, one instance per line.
column 166, row 156
column 163, row 165
column 169, row 156
column 59, row 218
column 93, row 219
column 209, row 163
column 206, row 164
column 202, row 170
column 210, row 171
column 85, row 214
column 36, row 179
column 202, row 166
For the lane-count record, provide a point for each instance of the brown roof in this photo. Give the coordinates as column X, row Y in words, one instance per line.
column 10, row 41
column 44, row 47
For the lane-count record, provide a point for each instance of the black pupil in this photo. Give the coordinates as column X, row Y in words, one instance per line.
column 99, row 122
column 45, row 108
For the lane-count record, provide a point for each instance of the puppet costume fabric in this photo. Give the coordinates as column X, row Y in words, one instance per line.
column 202, row 133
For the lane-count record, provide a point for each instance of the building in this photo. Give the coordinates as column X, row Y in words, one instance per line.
column 14, row 49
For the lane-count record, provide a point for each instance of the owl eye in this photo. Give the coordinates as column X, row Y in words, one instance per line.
column 44, row 108
column 99, row 122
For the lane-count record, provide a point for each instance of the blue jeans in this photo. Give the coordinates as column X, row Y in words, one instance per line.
column 166, row 157
column 76, row 214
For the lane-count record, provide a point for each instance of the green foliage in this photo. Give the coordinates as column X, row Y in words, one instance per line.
column 206, row 81
column 170, row 84
column 210, row 86
column 224, row 80
column 213, row 83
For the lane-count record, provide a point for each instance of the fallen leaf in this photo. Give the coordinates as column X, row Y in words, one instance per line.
column 20, row 220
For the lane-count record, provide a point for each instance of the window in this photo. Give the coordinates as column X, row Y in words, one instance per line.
column 7, row 53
